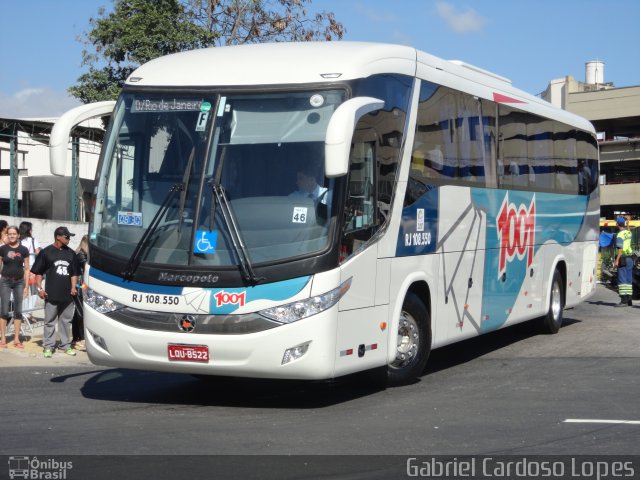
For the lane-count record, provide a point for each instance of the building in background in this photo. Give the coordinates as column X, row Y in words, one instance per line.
column 27, row 187
column 615, row 114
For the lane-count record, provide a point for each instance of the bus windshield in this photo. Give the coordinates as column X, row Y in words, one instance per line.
column 216, row 180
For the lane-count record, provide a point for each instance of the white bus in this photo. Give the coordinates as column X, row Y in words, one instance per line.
column 448, row 204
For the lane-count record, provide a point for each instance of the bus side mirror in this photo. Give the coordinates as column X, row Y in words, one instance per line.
column 337, row 142
column 59, row 139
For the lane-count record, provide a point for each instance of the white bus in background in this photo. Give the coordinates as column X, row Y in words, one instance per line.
column 454, row 205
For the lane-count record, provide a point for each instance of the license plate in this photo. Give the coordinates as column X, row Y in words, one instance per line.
column 188, row 353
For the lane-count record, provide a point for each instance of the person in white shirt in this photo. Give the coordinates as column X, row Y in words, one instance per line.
column 308, row 186
column 31, row 244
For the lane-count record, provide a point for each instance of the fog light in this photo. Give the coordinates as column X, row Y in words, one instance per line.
column 99, row 341
column 295, row 353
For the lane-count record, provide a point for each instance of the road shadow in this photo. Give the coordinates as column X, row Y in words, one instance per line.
column 467, row 350
column 601, row 303
column 135, row 386
column 612, row 302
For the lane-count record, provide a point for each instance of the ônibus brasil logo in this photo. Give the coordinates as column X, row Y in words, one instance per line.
column 226, row 298
column 516, row 232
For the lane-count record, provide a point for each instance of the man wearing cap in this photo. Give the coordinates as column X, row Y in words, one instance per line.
column 58, row 262
column 624, row 261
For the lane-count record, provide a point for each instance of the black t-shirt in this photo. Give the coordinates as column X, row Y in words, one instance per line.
column 13, row 261
column 59, row 265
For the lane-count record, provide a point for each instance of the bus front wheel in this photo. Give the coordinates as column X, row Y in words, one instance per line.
column 412, row 347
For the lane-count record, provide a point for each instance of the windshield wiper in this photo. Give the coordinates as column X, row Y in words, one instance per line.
column 185, row 183
column 136, row 256
column 234, row 232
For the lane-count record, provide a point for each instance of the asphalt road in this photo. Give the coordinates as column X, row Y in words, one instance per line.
column 509, row 392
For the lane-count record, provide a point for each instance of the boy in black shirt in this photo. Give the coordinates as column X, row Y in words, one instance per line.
column 59, row 264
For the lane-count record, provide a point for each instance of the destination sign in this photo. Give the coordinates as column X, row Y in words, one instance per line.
column 145, row 105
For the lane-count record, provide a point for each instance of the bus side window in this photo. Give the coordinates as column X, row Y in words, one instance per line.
column 514, row 171
column 360, row 206
column 566, row 163
column 361, row 213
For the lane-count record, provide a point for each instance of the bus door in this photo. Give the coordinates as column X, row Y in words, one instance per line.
column 360, row 223
column 366, row 305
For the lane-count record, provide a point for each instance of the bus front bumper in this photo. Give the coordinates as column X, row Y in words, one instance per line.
column 301, row 350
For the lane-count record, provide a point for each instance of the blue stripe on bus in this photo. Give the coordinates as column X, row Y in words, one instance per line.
column 558, row 219
column 412, row 241
column 276, row 291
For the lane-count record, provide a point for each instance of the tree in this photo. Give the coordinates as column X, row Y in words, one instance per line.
column 140, row 30
column 134, row 33
column 236, row 22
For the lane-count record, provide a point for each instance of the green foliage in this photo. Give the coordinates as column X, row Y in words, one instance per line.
column 99, row 85
column 140, row 30
column 134, row 33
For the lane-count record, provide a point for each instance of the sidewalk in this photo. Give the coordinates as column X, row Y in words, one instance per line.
column 31, row 355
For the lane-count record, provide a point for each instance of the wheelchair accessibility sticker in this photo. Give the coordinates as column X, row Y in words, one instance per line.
column 205, row 241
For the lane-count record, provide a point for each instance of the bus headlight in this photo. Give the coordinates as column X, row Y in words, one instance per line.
column 292, row 312
column 100, row 303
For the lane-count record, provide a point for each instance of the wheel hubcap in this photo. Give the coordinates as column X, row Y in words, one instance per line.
column 556, row 301
column 408, row 341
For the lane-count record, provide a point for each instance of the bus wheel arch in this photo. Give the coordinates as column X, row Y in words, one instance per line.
column 411, row 339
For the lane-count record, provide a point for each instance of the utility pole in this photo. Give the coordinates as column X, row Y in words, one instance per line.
column 75, row 177
column 13, row 173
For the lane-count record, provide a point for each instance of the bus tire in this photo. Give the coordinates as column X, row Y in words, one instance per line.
column 413, row 346
column 552, row 321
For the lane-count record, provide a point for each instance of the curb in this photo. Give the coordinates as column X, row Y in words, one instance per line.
column 31, row 354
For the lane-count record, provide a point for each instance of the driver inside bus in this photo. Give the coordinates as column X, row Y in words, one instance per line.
column 307, row 186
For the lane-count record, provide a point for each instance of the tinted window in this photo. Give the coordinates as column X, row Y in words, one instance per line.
column 450, row 137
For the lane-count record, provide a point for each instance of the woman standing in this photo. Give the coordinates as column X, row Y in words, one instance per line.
column 15, row 274
column 31, row 244
column 77, row 324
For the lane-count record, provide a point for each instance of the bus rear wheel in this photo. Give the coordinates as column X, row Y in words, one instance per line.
column 552, row 321
column 413, row 345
